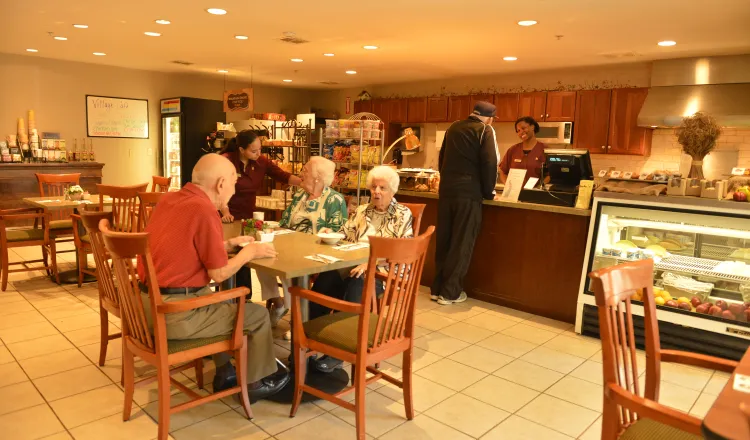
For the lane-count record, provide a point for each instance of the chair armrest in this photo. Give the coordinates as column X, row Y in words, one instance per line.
column 654, row 410
column 19, row 216
column 76, row 219
column 323, row 300
column 20, row 211
column 202, row 301
column 698, row 360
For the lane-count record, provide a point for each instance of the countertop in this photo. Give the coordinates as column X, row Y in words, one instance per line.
column 677, row 201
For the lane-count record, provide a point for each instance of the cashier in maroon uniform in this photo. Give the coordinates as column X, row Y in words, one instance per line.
column 528, row 154
column 244, row 152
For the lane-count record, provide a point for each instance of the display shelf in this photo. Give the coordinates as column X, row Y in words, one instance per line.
column 684, row 265
column 679, row 227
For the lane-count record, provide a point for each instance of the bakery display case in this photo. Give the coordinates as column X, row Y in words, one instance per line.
column 701, row 253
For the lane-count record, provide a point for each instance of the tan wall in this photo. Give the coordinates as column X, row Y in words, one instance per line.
column 56, row 91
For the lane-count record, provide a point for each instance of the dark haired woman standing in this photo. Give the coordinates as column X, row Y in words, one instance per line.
column 528, row 154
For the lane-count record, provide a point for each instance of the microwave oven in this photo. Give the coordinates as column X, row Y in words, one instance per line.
column 555, row 132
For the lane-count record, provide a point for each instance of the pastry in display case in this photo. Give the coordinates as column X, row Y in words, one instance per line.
column 701, row 254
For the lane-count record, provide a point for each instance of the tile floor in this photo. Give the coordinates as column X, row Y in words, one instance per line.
column 481, row 371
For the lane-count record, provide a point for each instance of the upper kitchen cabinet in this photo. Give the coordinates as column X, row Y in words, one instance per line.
column 591, row 128
column 362, row 106
column 473, row 99
column 625, row 136
column 398, row 110
column 417, row 110
column 458, row 108
column 561, row 107
column 507, row 107
column 382, row 109
column 532, row 104
column 437, row 109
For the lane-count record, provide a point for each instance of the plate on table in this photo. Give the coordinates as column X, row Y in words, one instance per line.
column 330, row 237
column 272, row 224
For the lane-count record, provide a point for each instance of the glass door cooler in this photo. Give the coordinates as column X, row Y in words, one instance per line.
column 172, row 150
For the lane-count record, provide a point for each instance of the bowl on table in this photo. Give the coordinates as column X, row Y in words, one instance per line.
column 272, row 225
column 330, row 237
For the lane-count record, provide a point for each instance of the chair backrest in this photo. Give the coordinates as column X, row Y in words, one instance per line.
column 124, row 201
column 124, row 248
column 160, row 184
column 55, row 185
column 147, row 203
column 613, row 287
column 106, row 284
column 403, row 259
column 417, row 209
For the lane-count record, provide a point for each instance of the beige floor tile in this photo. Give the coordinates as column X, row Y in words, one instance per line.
column 717, row 383
column 579, row 346
column 329, row 406
column 501, row 393
column 683, row 375
column 512, row 314
column 578, row 391
column 30, row 423
column 466, row 332
column 424, row 428
column 459, row 312
column 324, row 427
column 589, row 371
column 596, row 357
column 425, row 393
column 452, row 374
column 440, row 344
column 594, row 432
column 28, row 332
column 5, row 356
column 517, row 428
column 15, row 307
column 21, row 319
column 433, row 321
column 676, row 396
column 229, row 425
column 529, row 334
column 492, row 321
column 559, row 415
column 78, row 322
column 89, row 335
column 420, row 359
column 113, row 369
column 139, row 427
column 89, row 406
column 66, row 311
column 71, row 382
column 59, row 436
column 702, row 405
column 40, row 347
column 18, row 396
column 481, row 358
column 57, row 302
column 381, row 414
column 549, row 324
column 53, row 363
column 420, row 331
column 529, row 375
column 10, row 296
column 45, row 295
column 114, row 350
column 11, row 373
column 145, row 394
column 274, row 417
column 191, row 416
column 507, row 345
column 554, row 360
column 425, row 304
column 467, row 415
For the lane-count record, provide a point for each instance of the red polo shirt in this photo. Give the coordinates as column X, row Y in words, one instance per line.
column 532, row 161
column 250, row 181
column 186, row 239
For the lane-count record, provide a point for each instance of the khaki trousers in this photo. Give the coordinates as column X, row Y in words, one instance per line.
column 269, row 288
column 218, row 319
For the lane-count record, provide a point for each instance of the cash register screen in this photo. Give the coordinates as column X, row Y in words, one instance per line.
column 566, row 168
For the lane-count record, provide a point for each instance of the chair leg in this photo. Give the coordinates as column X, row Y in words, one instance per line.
column 45, row 260
column 241, row 355
column 81, row 259
column 360, row 388
column 300, row 367
column 352, row 373
column 128, row 373
column 199, row 372
column 164, row 397
column 406, row 378
column 55, row 270
column 4, row 269
column 104, row 334
column 610, row 420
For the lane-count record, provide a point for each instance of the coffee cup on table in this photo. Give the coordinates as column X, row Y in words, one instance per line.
column 258, row 215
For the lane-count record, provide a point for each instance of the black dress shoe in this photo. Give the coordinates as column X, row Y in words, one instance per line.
column 226, row 377
column 269, row 386
column 327, row 364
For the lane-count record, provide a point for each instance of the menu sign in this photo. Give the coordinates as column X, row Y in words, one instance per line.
column 238, row 100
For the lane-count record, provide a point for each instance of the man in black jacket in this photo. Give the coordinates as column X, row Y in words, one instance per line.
column 468, row 174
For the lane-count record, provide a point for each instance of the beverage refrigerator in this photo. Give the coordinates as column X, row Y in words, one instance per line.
column 185, row 123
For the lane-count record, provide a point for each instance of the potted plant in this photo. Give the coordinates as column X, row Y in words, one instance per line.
column 74, row 192
column 698, row 134
column 256, row 229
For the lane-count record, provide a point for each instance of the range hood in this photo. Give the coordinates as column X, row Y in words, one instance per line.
column 718, row 86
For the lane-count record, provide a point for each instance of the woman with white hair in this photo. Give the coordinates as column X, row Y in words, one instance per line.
column 314, row 207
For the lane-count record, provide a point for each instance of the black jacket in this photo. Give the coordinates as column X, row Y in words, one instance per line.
column 468, row 161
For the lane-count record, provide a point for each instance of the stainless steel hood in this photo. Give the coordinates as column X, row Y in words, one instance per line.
column 718, row 86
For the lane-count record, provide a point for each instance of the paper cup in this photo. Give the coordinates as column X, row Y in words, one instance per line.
column 258, row 215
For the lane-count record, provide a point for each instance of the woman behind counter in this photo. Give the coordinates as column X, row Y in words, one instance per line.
column 528, row 154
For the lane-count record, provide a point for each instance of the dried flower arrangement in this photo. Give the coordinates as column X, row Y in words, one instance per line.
column 698, row 134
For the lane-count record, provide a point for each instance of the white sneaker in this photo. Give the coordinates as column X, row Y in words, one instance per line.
column 446, row 302
column 434, row 297
column 288, row 335
column 276, row 314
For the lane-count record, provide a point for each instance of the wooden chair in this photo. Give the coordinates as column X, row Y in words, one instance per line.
column 627, row 413
column 417, row 209
column 155, row 349
column 146, row 205
column 160, row 184
column 360, row 333
column 38, row 235
column 109, row 302
column 55, row 185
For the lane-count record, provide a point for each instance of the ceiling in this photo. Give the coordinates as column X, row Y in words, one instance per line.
column 417, row 39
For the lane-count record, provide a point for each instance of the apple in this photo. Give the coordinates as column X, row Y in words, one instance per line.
column 703, row 308
column 726, row 314
column 685, row 306
column 747, row 315
column 695, row 301
column 736, row 309
column 739, row 196
column 715, row 311
column 671, row 303
column 721, row 303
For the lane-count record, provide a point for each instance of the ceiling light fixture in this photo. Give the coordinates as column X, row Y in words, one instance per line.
column 509, row 58
column 527, row 22
column 216, row 11
column 61, row 38
column 351, row 72
column 31, row 50
column 152, row 34
column 667, row 43
column 162, row 22
column 241, row 37
column 81, row 26
column 287, row 80
column 297, row 60
column 100, row 54
column 370, row 47
column 328, row 54
column 222, row 71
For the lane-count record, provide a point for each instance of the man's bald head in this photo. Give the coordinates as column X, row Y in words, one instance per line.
column 217, row 176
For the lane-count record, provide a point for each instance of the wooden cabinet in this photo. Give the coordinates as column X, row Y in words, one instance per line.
column 532, row 104
column 625, row 136
column 416, row 110
column 458, row 108
column 362, row 107
column 591, row 127
column 382, row 109
column 437, row 109
column 398, row 109
column 561, row 107
column 507, row 107
column 473, row 99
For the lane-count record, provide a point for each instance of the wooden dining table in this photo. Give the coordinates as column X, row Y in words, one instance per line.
column 725, row 420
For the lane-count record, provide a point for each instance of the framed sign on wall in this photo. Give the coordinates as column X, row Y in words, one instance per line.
column 108, row 116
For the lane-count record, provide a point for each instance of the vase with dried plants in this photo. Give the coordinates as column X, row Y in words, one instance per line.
column 698, row 134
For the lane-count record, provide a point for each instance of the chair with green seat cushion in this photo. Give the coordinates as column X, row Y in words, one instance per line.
column 55, row 186
column 25, row 234
column 339, row 330
column 61, row 224
column 178, row 345
column 38, row 235
column 647, row 429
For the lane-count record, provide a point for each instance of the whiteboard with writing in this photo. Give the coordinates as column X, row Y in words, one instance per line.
column 116, row 117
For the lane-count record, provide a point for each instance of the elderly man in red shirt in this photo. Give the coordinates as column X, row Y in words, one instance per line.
column 188, row 249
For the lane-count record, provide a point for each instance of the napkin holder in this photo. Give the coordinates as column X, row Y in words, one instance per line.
column 713, row 189
column 693, row 188
column 676, row 186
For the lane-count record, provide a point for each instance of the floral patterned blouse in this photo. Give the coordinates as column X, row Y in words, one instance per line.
column 328, row 211
column 395, row 222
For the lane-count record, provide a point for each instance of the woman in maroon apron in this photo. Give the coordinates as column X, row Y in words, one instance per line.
column 528, row 154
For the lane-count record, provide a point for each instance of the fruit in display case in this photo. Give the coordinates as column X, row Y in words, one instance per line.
column 671, row 303
column 747, row 315
column 683, row 300
column 685, row 306
column 741, row 194
column 737, row 309
column 715, row 311
column 726, row 314
column 659, row 301
column 703, row 308
column 695, row 301
column 721, row 303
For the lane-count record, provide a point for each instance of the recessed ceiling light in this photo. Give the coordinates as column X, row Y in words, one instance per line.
column 287, row 80
column 216, row 11
column 351, row 72
column 223, row 71
column 370, row 47
column 162, row 22
column 241, row 37
column 666, row 43
column 297, row 60
column 527, row 22
column 509, row 58
column 328, row 54
column 99, row 54
column 152, row 34
column 31, row 50
column 81, row 26
column 61, row 38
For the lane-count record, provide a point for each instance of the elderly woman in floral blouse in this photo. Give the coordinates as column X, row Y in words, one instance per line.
column 314, row 207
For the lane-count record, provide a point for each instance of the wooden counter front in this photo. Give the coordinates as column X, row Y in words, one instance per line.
column 526, row 257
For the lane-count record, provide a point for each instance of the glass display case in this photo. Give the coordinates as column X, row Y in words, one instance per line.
column 701, row 253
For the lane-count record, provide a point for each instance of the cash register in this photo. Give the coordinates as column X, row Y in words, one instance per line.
column 566, row 169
